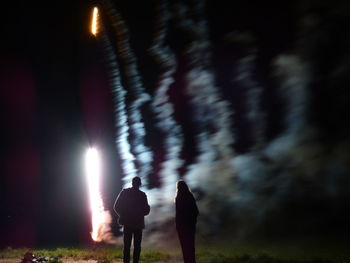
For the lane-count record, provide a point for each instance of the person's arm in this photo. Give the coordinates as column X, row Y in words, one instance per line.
column 177, row 209
column 147, row 208
column 194, row 207
column 118, row 204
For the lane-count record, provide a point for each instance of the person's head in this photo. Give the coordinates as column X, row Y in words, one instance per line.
column 136, row 182
column 182, row 188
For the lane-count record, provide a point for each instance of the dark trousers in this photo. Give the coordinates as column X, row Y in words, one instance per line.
column 187, row 241
column 129, row 234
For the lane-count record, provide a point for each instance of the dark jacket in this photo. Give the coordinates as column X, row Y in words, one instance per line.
column 131, row 206
column 186, row 212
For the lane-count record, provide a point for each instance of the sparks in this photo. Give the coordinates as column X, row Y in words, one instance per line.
column 93, row 174
column 94, row 22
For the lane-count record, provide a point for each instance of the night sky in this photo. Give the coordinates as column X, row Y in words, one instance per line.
column 45, row 64
column 56, row 101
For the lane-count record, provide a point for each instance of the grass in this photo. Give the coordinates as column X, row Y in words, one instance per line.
column 102, row 254
column 209, row 252
column 279, row 251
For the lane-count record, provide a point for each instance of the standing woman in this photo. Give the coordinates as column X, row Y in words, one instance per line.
column 186, row 219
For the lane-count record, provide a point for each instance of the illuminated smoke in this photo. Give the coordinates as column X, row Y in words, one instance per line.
column 100, row 218
column 215, row 137
column 163, row 108
column 121, row 117
column 142, row 153
column 265, row 175
column 255, row 115
column 294, row 75
column 247, row 187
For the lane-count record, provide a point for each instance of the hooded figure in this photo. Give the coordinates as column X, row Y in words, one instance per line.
column 186, row 219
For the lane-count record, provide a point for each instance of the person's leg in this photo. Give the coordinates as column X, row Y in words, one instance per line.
column 183, row 243
column 191, row 247
column 186, row 238
column 137, row 245
column 127, row 243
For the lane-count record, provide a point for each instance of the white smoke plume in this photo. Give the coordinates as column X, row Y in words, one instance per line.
column 255, row 114
column 294, row 75
column 162, row 107
column 213, row 173
column 265, row 175
column 142, row 153
column 212, row 110
column 121, row 122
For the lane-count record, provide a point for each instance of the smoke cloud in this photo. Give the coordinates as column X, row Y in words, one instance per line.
column 142, row 152
column 121, row 117
column 291, row 163
column 163, row 108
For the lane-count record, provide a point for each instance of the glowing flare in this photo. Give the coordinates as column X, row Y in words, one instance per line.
column 93, row 173
column 94, row 22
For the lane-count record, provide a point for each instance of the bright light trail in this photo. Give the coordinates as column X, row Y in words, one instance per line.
column 93, row 174
column 94, row 21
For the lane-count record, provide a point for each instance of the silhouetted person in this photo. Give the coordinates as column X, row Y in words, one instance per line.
column 132, row 206
column 186, row 219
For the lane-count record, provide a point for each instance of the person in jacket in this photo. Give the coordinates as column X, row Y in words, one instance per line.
column 186, row 219
column 132, row 206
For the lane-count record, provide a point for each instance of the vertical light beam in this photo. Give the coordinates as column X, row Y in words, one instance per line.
column 94, row 21
column 93, row 174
